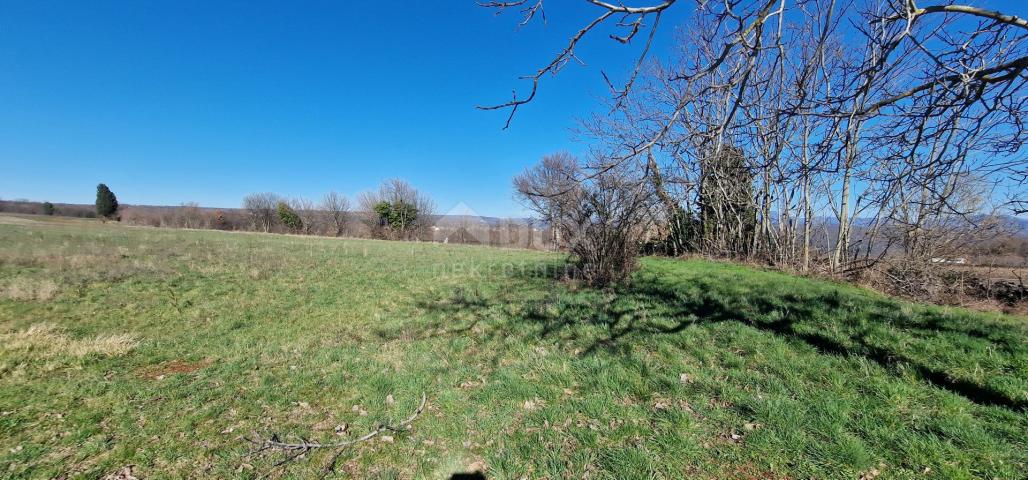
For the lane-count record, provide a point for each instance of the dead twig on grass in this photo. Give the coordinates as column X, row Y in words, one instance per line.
column 296, row 450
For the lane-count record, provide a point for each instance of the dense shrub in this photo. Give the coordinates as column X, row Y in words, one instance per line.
column 399, row 215
column 220, row 222
column 601, row 219
column 289, row 217
column 604, row 226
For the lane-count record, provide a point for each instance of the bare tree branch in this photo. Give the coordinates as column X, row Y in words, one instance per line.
column 296, row 449
column 568, row 52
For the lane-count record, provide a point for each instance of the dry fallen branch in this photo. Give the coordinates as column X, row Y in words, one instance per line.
column 295, row 450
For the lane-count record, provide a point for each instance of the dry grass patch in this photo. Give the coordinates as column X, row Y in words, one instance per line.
column 12, row 220
column 21, row 288
column 45, row 341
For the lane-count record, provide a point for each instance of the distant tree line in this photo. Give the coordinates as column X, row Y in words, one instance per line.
column 29, row 207
column 394, row 211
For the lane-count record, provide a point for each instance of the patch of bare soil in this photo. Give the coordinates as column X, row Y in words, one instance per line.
column 173, row 367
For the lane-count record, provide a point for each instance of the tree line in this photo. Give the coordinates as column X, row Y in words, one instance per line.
column 395, row 211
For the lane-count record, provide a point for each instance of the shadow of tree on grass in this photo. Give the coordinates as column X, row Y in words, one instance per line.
column 932, row 344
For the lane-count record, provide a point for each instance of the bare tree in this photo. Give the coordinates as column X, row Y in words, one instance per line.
column 604, row 222
column 338, row 208
column 261, row 207
column 847, row 124
column 373, row 222
column 932, row 238
column 308, row 214
column 547, row 188
column 190, row 216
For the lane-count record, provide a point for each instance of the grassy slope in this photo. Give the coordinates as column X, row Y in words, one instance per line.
column 699, row 369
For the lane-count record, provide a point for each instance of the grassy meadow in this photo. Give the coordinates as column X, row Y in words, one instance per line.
column 158, row 352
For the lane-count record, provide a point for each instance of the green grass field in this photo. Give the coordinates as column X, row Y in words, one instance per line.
column 165, row 350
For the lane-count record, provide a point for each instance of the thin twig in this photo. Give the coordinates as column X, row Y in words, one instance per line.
column 304, row 446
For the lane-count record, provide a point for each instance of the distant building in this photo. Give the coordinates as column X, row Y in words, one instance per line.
column 461, row 225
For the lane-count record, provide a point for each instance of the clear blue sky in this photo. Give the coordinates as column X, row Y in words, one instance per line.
column 176, row 101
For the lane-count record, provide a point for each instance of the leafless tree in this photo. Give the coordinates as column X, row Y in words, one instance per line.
column 261, row 207
column 600, row 220
column 548, row 188
column 513, row 231
column 842, row 109
column 190, row 216
column 338, row 209
column 604, row 222
column 308, row 214
column 374, row 225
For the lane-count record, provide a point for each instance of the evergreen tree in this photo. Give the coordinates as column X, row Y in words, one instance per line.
column 48, row 208
column 404, row 216
column 728, row 215
column 289, row 217
column 106, row 202
column 384, row 211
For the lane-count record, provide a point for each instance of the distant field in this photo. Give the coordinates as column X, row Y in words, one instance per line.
column 157, row 352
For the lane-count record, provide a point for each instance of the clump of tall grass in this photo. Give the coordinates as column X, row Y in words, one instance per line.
column 45, row 340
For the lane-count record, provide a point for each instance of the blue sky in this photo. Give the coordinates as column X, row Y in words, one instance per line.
column 170, row 102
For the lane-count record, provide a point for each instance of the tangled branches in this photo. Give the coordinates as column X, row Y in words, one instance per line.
column 859, row 123
column 631, row 19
